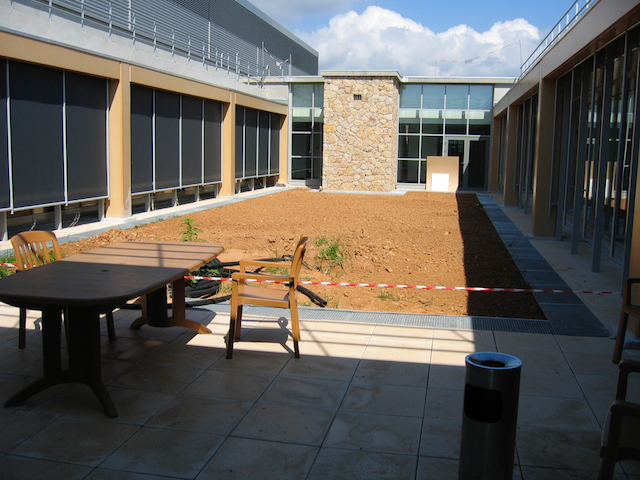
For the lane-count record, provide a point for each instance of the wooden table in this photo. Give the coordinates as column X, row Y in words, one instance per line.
column 93, row 282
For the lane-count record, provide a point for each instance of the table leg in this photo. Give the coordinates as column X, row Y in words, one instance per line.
column 53, row 374
column 178, row 309
column 85, row 362
column 155, row 305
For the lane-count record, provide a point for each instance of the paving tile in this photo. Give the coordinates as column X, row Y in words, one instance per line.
column 430, row 468
column 392, row 373
column 380, row 433
column 179, row 354
column 559, row 448
column 556, row 382
column 591, row 364
column 240, row 458
column 19, row 468
column 561, row 413
column 285, row 423
column 20, row 425
column 229, row 384
column 385, row 399
column 310, row 392
column 441, row 441
column 449, row 377
column 593, row 345
column 165, row 452
column 317, row 366
column 533, row 473
column 158, row 377
column 253, row 362
column 397, row 354
column 99, row 440
column 332, row 348
column 344, row 464
column 106, row 474
column 201, row 414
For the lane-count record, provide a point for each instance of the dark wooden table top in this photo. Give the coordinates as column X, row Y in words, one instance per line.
column 107, row 275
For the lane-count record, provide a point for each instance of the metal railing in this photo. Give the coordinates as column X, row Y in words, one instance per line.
column 190, row 38
column 568, row 20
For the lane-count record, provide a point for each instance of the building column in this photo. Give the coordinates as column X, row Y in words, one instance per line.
column 119, row 202
column 283, row 178
column 229, row 148
column 496, row 149
column 510, row 191
column 544, row 221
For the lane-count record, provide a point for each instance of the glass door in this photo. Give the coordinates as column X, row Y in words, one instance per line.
column 458, row 147
column 472, row 153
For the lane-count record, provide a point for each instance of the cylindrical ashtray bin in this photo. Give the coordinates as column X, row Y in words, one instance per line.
column 490, row 413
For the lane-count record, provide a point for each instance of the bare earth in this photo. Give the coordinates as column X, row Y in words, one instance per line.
column 420, row 238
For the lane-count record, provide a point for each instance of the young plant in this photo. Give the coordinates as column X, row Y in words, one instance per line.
column 191, row 230
column 7, row 258
column 388, row 296
column 332, row 254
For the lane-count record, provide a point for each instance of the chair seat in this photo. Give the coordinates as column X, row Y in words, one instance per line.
column 262, row 296
column 633, row 310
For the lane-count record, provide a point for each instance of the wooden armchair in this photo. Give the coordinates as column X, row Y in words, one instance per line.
column 620, row 439
column 627, row 309
column 285, row 297
column 33, row 249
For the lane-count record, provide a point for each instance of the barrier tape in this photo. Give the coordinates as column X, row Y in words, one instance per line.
column 414, row 287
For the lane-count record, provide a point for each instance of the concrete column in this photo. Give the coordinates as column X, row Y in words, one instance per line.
column 283, row 178
column 494, row 168
column 119, row 203
column 509, row 181
column 227, row 189
column 544, row 224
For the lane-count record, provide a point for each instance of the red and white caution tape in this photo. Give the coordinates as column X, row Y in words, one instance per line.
column 416, row 287
column 386, row 285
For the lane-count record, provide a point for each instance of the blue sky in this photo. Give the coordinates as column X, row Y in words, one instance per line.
column 461, row 37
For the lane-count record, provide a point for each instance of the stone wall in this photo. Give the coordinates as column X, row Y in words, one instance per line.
column 360, row 146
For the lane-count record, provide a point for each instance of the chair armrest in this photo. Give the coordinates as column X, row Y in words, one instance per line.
column 259, row 276
column 625, row 409
column 626, row 367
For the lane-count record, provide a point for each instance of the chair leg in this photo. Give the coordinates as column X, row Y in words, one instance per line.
column 622, row 331
column 22, row 328
column 239, row 322
column 110, row 327
column 295, row 329
column 231, row 336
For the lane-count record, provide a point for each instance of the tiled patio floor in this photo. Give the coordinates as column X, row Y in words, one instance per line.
column 364, row 401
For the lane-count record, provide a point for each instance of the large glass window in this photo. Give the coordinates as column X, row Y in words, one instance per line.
column 307, row 131
column 429, row 113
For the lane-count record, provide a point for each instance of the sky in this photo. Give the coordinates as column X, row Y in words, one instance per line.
column 420, row 37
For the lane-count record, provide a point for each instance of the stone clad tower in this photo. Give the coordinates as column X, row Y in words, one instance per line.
column 360, row 148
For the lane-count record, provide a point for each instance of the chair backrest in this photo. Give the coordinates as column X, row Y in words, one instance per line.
column 35, row 248
column 298, row 256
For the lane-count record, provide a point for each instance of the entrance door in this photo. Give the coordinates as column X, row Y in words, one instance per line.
column 458, row 147
column 472, row 153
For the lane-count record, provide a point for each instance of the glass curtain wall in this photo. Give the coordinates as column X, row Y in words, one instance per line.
column 306, row 137
column 595, row 153
column 438, row 119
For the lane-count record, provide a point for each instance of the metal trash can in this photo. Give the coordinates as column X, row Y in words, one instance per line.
column 490, row 413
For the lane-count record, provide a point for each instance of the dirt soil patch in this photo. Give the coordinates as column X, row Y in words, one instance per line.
column 420, row 238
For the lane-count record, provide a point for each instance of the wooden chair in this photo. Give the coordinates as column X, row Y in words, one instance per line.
column 620, row 439
column 33, row 249
column 627, row 309
column 243, row 294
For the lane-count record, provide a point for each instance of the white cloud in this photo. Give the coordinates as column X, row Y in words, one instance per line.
column 383, row 39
